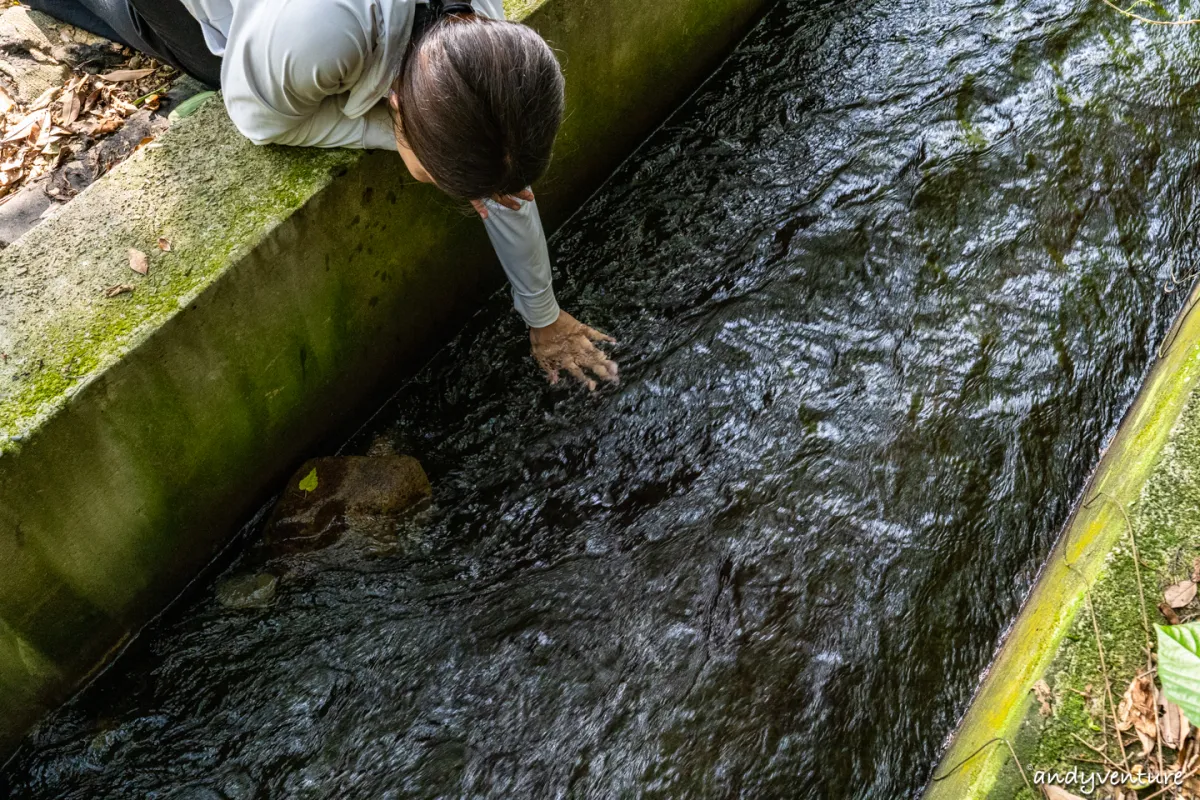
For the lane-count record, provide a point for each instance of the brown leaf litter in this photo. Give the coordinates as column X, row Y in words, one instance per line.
column 138, row 261
column 66, row 120
column 1180, row 594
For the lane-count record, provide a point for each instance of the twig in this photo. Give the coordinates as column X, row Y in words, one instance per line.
column 1168, row 787
column 980, row 749
column 1157, row 728
column 1147, row 20
column 141, row 99
column 1137, row 569
column 1105, row 763
column 1096, row 750
column 1087, row 593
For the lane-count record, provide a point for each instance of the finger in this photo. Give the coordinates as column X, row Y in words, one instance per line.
column 605, row 369
column 525, row 194
column 594, row 359
column 480, row 208
column 549, row 369
column 597, row 336
column 612, row 370
column 578, row 375
column 508, row 201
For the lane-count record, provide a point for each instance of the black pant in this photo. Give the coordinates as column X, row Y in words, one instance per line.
column 163, row 29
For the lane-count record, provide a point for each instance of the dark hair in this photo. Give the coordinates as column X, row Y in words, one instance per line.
column 480, row 102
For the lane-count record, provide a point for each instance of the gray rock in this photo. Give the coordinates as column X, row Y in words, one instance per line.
column 353, row 491
column 247, row 591
column 22, row 211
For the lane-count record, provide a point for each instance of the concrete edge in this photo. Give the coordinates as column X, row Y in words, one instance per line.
column 971, row 766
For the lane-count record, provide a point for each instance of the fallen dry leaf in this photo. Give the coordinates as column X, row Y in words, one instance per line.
column 1058, row 793
column 69, row 107
column 1137, row 710
column 1168, row 613
column 138, row 262
column 1173, row 725
column 43, row 99
column 1041, row 690
column 27, row 127
column 105, row 126
column 122, row 75
column 39, row 137
column 164, row 244
column 120, row 288
column 1180, row 594
column 151, row 102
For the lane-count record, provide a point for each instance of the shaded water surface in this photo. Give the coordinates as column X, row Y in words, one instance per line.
column 883, row 287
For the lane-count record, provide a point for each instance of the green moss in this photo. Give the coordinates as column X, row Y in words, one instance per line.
column 182, row 417
column 77, row 342
column 1153, row 469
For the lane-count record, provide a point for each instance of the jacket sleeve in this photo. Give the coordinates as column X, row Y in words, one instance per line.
column 520, row 244
column 284, row 80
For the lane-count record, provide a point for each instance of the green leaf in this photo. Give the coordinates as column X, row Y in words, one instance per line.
column 189, row 106
column 1179, row 665
column 309, row 484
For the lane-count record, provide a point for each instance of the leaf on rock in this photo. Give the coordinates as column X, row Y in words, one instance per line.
column 1137, row 710
column 164, row 244
column 44, row 99
column 107, row 125
column 69, row 108
column 138, row 262
column 309, row 482
column 1180, row 594
column 120, row 288
column 1179, row 665
column 26, row 128
column 1168, row 613
column 122, row 75
column 190, row 106
column 1173, row 725
column 6, row 102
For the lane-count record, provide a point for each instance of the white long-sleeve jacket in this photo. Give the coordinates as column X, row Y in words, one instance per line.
column 316, row 73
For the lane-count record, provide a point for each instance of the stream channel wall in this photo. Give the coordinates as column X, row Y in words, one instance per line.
column 138, row 431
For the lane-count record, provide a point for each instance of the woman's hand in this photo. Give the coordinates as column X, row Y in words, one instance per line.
column 568, row 344
column 509, row 201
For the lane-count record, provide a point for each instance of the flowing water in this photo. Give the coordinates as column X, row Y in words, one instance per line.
column 884, row 286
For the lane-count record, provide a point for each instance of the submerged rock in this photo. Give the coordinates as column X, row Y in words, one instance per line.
column 328, row 495
column 247, row 591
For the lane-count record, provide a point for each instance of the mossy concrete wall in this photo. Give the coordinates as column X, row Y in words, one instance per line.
column 136, row 431
column 1147, row 481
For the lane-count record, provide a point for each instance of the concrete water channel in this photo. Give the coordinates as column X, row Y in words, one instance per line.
column 886, row 288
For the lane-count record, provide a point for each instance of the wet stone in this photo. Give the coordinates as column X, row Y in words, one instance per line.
column 327, row 496
column 247, row 591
